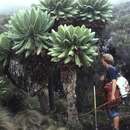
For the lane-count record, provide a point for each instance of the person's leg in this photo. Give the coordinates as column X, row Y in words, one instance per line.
column 116, row 118
column 116, row 122
column 113, row 114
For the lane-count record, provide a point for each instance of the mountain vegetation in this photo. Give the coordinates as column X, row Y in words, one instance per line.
column 49, row 61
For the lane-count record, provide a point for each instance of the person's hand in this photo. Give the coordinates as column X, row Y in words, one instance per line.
column 113, row 98
column 102, row 78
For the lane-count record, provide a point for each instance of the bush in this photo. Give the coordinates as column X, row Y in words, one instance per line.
column 5, row 121
column 33, row 120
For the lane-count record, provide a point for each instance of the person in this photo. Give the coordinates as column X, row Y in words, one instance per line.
column 111, row 89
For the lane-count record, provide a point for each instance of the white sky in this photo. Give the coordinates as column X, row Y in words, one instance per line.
column 12, row 5
column 8, row 6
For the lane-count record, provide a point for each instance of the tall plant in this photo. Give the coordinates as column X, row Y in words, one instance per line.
column 72, row 47
column 29, row 31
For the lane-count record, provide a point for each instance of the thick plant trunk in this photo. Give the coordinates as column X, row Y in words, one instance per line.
column 44, row 100
column 29, row 76
column 69, row 78
column 15, row 72
column 51, row 93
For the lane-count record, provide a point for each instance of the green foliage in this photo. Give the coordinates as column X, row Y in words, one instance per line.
column 59, row 8
column 33, row 120
column 32, row 103
column 73, row 45
column 4, row 49
column 3, row 87
column 28, row 120
column 92, row 10
column 5, row 122
column 29, row 31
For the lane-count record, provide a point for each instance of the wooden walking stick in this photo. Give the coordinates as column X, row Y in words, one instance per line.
column 95, row 108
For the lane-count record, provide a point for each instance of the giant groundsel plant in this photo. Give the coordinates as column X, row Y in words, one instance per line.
column 28, row 29
column 73, row 45
column 59, row 8
column 92, row 10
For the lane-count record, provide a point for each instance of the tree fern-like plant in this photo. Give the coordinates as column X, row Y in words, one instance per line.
column 29, row 32
column 72, row 46
column 94, row 10
column 28, row 29
column 59, row 9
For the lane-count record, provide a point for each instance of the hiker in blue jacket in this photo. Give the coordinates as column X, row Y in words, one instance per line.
column 110, row 88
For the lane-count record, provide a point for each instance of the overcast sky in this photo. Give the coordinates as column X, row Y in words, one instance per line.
column 8, row 6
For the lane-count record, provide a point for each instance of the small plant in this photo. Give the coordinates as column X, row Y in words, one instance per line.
column 5, row 121
column 28, row 120
column 33, row 120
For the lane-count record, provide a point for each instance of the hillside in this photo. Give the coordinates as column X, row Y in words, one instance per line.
column 117, row 36
column 121, row 9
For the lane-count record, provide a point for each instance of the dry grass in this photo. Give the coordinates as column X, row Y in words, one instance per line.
column 33, row 120
column 28, row 120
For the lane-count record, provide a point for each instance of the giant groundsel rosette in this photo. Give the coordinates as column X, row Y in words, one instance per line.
column 93, row 10
column 28, row 29
column 74, row 45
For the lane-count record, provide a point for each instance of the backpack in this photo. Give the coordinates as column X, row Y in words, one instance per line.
column 123, row 86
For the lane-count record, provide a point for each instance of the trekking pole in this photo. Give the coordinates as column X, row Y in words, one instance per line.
column 95, row 108
column 100, row 106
